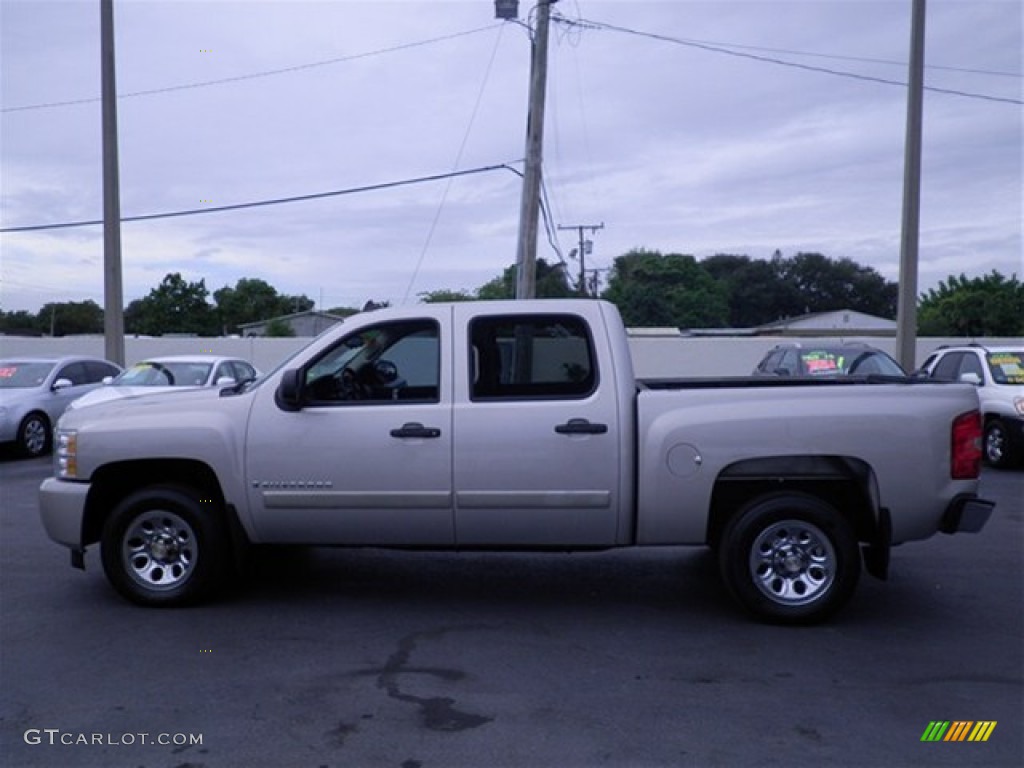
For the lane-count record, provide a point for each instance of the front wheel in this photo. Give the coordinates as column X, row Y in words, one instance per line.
column 34, row 438
column 161, row 546
column 790, row 558
column 997, row 445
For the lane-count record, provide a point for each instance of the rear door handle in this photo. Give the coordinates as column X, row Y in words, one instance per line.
column 581, row 427
column 415, row 429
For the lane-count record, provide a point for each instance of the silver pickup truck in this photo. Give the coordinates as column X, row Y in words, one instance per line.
column 516, row 426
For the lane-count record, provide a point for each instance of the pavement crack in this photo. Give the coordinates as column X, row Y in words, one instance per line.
column 437, row 713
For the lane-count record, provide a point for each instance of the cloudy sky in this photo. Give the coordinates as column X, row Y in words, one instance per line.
column 687, row 127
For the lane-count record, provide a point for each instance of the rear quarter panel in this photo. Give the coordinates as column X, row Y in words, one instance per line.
column 687, row 437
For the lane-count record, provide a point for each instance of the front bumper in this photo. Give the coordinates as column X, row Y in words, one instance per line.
column 966, row 514
column 1014, row 431
column 62, row 509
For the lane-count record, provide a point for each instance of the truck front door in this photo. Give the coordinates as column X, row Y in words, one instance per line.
column 366, row 458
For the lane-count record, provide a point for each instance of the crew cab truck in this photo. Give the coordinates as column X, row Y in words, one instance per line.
column 516, row 426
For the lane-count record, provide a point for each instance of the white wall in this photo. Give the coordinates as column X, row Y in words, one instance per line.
column 653, row 356
column 668, row 357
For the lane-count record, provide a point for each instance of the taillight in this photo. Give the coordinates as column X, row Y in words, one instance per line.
column 965, row 457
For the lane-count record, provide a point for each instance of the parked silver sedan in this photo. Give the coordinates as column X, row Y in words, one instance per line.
column 34, row 392
column 170, row 373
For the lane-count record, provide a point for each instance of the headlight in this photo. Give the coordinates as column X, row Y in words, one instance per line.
column 65, row 457
column 1018, row 403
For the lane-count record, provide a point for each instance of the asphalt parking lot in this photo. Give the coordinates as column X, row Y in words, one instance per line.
column 408, row 660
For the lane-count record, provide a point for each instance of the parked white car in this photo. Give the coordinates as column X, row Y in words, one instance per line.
column 180, row 372
column 998, row 373
column 34, row 391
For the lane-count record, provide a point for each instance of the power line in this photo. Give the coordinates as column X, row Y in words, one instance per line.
column 274, row 201
column 780, row 62
column 256, row 75
column 458, row 160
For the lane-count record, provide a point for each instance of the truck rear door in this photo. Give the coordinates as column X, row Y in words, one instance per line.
column 537, row 453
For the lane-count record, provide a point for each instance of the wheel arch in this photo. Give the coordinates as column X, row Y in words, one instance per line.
column 114, row 482
column 846, row 483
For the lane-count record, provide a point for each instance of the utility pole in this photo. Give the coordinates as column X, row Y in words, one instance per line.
column 113, row 293
column 906, row 313
column 529, row 209
column 583, row 250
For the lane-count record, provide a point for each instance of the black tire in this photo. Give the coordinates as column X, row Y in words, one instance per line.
column 996, row 446
column 34, row 436
column 790, row 558
column 162, row 546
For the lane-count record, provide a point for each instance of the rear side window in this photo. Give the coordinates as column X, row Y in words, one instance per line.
column 948, row 367
column 100, row 370
column 76, row 373
column 531, row 357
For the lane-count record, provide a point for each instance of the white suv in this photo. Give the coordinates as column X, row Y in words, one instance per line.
column 998, row 372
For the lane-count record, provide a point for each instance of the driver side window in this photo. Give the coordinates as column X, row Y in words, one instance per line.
column 386, row 363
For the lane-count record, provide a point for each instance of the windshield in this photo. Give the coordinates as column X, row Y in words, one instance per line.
column 832, row 362
column 1006, row 367
column 15, row 375
column 153, row 373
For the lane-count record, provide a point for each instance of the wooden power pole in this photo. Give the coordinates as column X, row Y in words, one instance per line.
column 581, row 286
column 113, row 293
column 529, row 210
column 906, row 313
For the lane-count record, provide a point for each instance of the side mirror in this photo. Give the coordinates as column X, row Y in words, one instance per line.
column 386, row 371
column 60, row 384
column 971, row 378
column 288, row 395
column 225, row 381
column 107, row 379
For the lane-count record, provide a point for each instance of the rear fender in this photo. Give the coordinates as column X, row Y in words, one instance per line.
column 846, row 483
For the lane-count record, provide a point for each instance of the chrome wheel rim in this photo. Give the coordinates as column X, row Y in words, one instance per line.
column 34, row 436
column 159, row 550
column 792, row 562
column 994, row 445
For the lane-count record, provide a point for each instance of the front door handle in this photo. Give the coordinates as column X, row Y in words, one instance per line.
column 581, row 427
column 415, row 429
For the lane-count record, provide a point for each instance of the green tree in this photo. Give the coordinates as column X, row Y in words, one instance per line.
column 444, row 295
column 826, row 284
column 343, row 311
column 19, row 322
column 68, row 317
column 552, row 283
column 651, row 289
column 252, row 300
column 174, row 306
column 756, row 290
column 991, row 305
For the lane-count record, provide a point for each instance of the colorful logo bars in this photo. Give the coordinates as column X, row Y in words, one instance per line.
column 958, row 730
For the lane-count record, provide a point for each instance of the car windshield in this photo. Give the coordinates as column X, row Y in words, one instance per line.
column 1006, row 367
column 839, row 362
column 153, row 373
column 15, row 375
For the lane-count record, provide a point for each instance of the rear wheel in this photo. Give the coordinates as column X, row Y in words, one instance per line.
column 790, row 558
column 34, row 435
column 163, row 546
